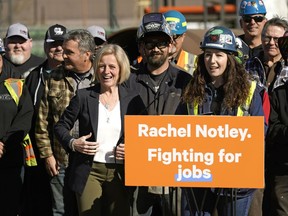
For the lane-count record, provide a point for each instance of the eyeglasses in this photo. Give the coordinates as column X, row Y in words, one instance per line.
column 175, row 37
column 159, row 45
column 257, row 19
column 267, row 39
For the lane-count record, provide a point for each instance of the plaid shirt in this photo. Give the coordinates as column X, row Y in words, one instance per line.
column 255, row 67
column 59, row 89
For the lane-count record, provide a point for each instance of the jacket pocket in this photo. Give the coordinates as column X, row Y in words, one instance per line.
column 56, row 100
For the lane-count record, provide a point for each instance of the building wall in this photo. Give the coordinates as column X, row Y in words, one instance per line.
column 76, row 13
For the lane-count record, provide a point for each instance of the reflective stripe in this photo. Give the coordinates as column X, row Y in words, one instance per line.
column 187, row 61
column 195, row 110
column 30, row 158
column 175, row 19
column 242, row 109
column 15, row 88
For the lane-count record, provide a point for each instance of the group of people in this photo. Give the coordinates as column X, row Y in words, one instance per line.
column 72, row 105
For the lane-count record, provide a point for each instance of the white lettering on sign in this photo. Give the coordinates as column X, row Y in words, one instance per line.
column 221, row 132
column 145, row 131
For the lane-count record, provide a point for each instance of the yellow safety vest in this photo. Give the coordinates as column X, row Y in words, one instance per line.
column 15, row 88
column 242, row 110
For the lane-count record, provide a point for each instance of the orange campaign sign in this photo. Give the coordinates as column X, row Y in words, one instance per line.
column 194, row 151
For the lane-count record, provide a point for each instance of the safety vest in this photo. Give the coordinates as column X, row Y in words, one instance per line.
column 15, row 88
column 241, row 110
column 187, row 61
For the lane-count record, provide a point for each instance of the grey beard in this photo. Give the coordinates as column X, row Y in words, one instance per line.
column 17, row 59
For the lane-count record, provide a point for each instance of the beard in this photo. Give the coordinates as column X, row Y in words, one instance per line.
column 156, row 61
column 17, row 59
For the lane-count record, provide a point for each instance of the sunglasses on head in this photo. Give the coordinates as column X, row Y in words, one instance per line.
column 257, row 19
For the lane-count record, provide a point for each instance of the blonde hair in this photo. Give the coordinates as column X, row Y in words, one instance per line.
column 121, row 57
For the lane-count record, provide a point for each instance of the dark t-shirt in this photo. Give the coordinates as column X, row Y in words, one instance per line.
column 253, row 52
column 10, row 70
column 28, row 66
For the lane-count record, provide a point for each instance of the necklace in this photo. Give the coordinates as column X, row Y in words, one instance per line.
column 157, row 80
column 108, row 105
column 107, row 115
column 108, row 102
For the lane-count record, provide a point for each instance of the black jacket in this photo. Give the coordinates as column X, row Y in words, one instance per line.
column 36, row 84
column 277, row 137
column 10, row 70
column 168, row 96
column 84, row 107
column 15, row 123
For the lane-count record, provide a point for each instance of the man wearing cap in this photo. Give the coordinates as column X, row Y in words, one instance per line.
column 179, row 56
column 76, row 73
column 54, row 52
column 99, row 35
column 37, row 180
column 18, row 46
column 15, row 123
column 160, row 86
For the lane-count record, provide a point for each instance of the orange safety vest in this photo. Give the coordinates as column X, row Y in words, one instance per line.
column 187, row 61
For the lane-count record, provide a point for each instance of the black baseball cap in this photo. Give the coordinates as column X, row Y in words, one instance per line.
column 55, row 33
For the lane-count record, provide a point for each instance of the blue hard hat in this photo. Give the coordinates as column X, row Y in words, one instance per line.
column 220, row 38
column 176, row 21
column 153, row 23
column 248, row 7
column 2, row 50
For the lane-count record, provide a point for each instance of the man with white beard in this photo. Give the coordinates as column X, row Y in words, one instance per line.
column 18, row 47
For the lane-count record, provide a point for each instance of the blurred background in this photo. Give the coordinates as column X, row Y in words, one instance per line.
column 118, row 16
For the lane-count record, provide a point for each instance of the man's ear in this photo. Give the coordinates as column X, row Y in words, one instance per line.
column 31, row 43
column 90, row 56
column 172, row 48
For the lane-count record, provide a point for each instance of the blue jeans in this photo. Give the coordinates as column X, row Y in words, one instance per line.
column 57, row 186
column 63, row 199
column 207, row 207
